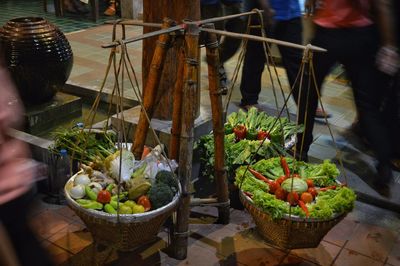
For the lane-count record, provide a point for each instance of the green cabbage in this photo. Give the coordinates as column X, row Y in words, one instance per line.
column 299, row 185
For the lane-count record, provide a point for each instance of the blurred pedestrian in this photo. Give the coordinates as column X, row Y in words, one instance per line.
column 351, row 37
column 282, row 21
column 17, row 175
column 391, row 107
column 228, row 46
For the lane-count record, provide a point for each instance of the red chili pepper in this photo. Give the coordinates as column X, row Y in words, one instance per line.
column 304, row 208
column 240, row 132
column 327, row 188
column 248, row 194
column 260, row 176
column 285, row 167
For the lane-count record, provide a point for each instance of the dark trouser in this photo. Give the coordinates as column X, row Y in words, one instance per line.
column 13, row 216
column 355, row 48
column 391, row 113
column 254, row 62
column 229, row 46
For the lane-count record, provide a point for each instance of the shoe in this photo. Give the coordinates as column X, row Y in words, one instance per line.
column 248, row 106
column 395, row 163
column 319, row 113
column 110, row 11
column 385, row 174
column 355, row 128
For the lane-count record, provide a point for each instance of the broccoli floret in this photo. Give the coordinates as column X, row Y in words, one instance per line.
column 167, row 178
column 160, row 195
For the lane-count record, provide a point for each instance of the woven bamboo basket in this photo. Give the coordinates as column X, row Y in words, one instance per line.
column 289, row 232
column 124, row 232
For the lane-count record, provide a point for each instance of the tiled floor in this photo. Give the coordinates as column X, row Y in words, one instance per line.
column 23, row 8
column 367, row 236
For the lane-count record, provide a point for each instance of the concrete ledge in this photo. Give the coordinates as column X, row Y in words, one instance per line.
column 202, row 125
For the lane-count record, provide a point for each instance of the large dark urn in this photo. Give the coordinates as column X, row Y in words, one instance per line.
column 38, row 55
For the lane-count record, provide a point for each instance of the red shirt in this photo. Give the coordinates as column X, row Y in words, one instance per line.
column 342, row 13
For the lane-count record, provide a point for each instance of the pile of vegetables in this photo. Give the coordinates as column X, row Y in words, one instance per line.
column 282, row 186
column 244, row 132
column 121, row 184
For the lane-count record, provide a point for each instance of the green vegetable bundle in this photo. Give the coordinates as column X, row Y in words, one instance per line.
column 239, row 152
column 85, row 146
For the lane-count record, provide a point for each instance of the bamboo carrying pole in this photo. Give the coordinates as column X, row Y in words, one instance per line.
column 181, row 234
column 150, row 90
column 218, row 125
column 177, row 107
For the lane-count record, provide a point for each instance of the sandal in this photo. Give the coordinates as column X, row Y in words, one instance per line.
column 110, row 11
column 319, row 113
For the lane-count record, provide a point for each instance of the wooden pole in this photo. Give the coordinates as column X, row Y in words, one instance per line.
column 212, row 55
column 181, row 234
column 150, row 90
column 154, row 11
column 177, row 106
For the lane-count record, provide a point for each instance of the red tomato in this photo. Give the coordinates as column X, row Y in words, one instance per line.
column 292, row 198
column 104, row 196
column 280, row 180
column 262, row 134
column 306, row 197
column 310, row 183
column 280, row 194
column 273, row 186
column 312, row 191
column 145, row 202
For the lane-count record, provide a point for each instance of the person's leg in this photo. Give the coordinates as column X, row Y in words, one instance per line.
column 290, row 31
column 229, row 46
column 307, row 97
column 370, row 90
column 253, row 67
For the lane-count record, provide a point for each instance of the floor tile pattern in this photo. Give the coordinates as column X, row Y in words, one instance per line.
column 69, row 23
column 357, row 240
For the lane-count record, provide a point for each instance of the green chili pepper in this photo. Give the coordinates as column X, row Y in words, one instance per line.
column 122, row 196
column 110, row 187
column 90, row 204
column 90, row 193
column 114, row 204
column 110, row 209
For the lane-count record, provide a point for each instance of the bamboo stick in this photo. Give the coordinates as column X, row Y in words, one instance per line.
column 177, row 107
column 132, row 22
column 216, row 19
column 150, row 91
column 262, row 39
column 218, row 125
column 180, row 237
column 164, row 30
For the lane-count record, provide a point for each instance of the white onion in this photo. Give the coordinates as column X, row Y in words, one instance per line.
column 96, row 187
column 81, row 179
column 77, row 192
